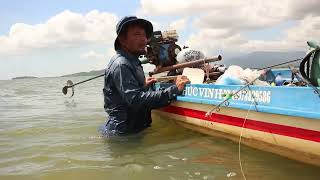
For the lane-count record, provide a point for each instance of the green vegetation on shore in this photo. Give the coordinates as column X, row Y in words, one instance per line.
column 24, row 77
column 91, row 73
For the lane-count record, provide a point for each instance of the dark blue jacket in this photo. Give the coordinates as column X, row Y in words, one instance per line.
column 126, row 99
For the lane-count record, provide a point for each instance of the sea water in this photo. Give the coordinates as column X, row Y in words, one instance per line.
column 47, row 135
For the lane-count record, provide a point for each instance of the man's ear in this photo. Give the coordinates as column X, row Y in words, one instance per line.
column 121, row 39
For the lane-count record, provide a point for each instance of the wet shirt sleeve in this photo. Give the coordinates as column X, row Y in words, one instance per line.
column 135, row 95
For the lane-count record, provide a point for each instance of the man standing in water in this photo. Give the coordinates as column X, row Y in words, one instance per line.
column 127, row 99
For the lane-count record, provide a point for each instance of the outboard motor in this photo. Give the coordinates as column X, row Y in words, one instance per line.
column 162, row 50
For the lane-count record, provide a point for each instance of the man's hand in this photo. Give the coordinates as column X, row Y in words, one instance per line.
column 181, row 81
column 149, row 81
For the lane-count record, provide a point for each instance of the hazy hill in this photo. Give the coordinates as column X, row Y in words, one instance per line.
column 24, row 77
column 264, row 59
column 91, row 73
column 251, row 60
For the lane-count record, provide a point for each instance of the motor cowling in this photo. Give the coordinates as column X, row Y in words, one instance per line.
column 162, row 49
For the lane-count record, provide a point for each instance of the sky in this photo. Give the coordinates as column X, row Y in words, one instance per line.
column 57, row 37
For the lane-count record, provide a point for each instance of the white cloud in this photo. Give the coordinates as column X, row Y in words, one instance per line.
column 164, row 7
column 178, row 25
column 212, row 41
column 92, row 55
column 183, row 7
column 241, row 8
column 98, row 60
column 245, row 14
column 299, row 9
column 66, row 29
column 307, row 29
column 222, row 25
column 296, row 37
column 242, row 17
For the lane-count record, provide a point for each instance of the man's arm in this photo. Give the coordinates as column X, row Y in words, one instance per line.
column 135, row 96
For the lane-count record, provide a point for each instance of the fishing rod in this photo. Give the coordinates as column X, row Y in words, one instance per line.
column 177, row 66
column 71, row 85
column 268, row 67
column 186, row 64
column 229, row 96
column 168, row 68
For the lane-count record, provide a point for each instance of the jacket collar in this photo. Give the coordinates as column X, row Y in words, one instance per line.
column 133, row 59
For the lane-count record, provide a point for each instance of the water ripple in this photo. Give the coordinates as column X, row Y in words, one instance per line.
column 45, row 135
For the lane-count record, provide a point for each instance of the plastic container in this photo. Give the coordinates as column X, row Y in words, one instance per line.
column 230, row 80
column 279, row 80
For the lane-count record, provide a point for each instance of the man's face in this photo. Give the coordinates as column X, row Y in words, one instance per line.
column 135, row 41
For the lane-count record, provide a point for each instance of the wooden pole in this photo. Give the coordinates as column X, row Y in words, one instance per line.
column 186, row 64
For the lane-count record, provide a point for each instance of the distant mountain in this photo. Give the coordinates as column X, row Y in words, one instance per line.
column 91, row 73
column 264, row 59
column 258, row 59
column 24, row 77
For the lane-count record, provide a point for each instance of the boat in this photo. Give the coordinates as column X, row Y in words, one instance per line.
column 284, row 119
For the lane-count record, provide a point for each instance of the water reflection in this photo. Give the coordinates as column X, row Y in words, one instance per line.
column 46, row 135
column 150, row 155
column 70, row 103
